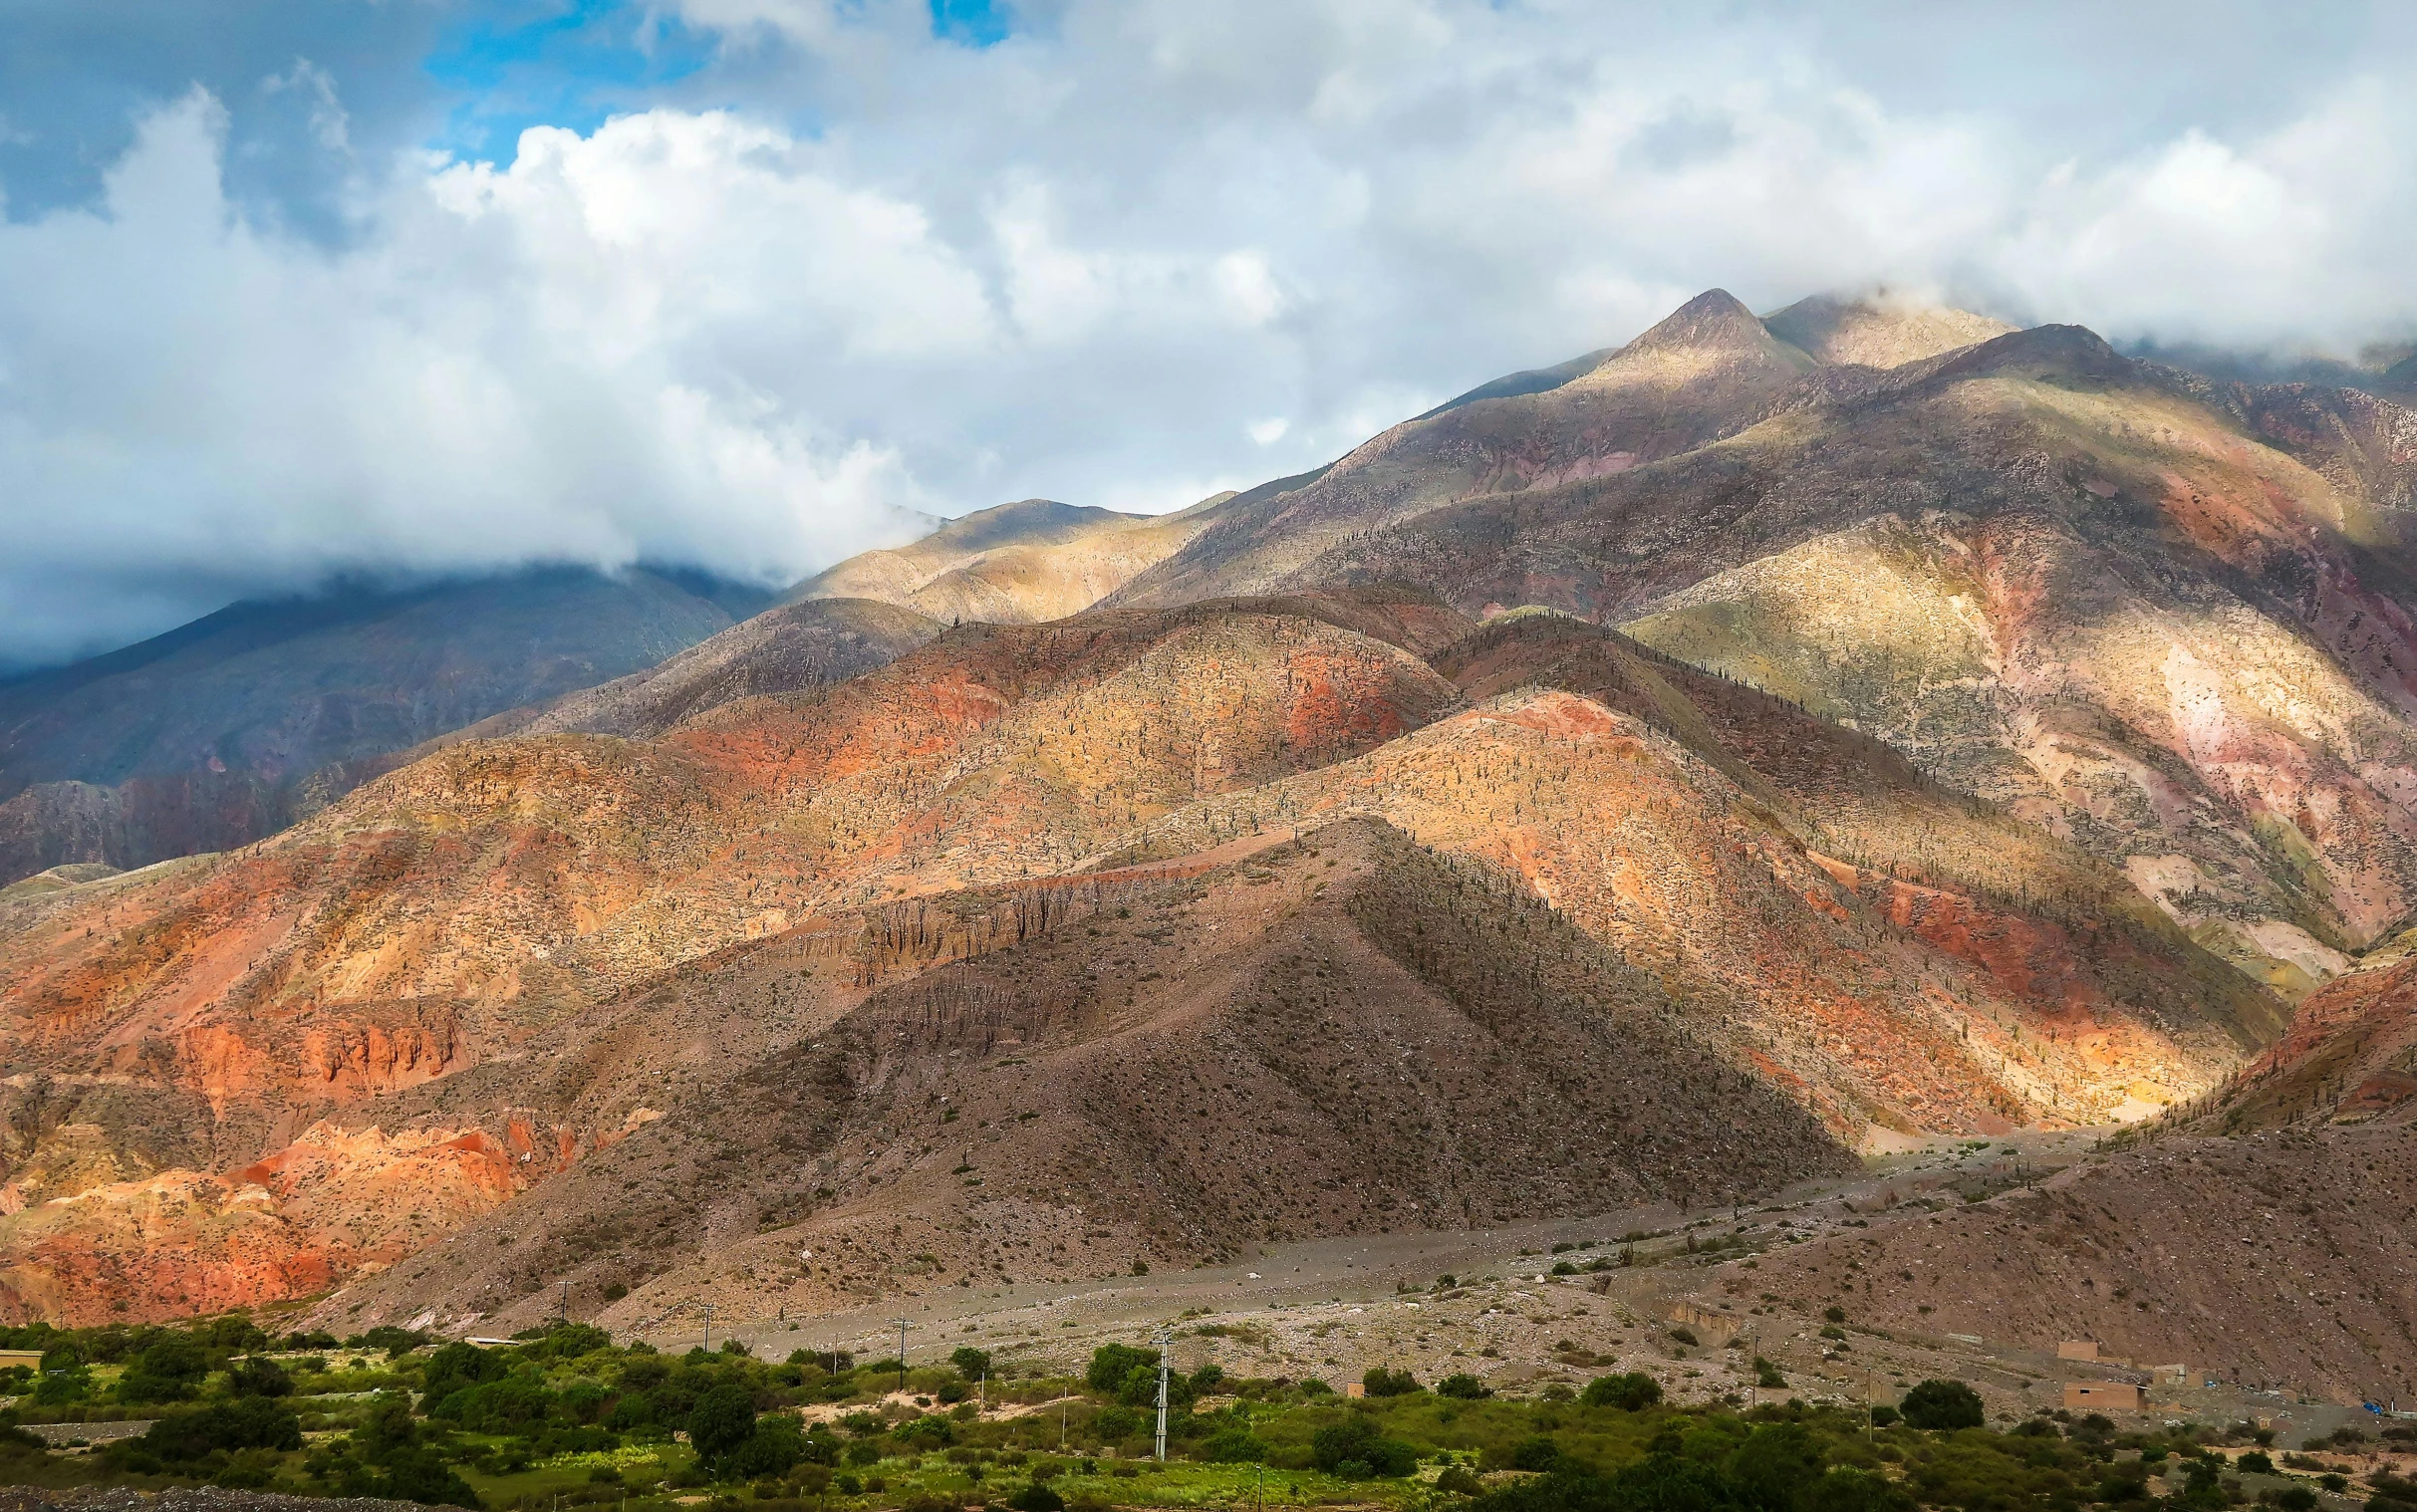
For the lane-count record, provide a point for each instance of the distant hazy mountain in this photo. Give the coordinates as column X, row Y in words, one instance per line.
column 208, row 736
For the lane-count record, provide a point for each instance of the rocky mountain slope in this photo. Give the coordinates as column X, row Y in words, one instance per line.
column 2160, row 616
column 589, row 938
column 2349, row 1056
column 211, row 736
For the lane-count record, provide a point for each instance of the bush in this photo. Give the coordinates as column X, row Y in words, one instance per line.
column 247, row 1423
column 773, row 1450
column 1037, row 1497
column 1115, row 1425
column 1233, row 1444
column 1356, row 1449
column 934, row 1433
column 256, row 1376
column 455, row 1367
column 1456, row 1481
column 1463, row 1387
column 1384, row 1383
column 1632, row 1392
column 168, row 1370
column 1535, row 1453
column 1114, row 1365
column 1942, row 1404
column 1882, row 1414
column 970, row 1363
column 2255, row 1462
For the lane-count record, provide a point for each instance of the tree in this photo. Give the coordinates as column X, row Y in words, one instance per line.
column 253, row 1424
column 258, row 1376
column 455, row 1367
column 970, row 1363
column 1942, row 1404
column 1381, row 1382
column 1356, row 1448
column 1464, row 1386
column 721, row 1422
column 1772, row 1464
column 168, row 1370
column 1632, row 1392
column 1112, row 1365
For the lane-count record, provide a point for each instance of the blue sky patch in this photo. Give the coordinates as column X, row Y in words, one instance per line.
column 972, row 23
column 562, row 63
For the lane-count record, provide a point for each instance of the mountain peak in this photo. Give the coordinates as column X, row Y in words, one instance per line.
column 1713, row 319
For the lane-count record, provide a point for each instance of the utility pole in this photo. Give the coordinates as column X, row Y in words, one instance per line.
column 708, row 1327
column 566, row 1302
column 903, row 1325
column 1165, row 1340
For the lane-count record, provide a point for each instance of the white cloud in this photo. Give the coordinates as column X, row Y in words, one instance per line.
column 1091, row 262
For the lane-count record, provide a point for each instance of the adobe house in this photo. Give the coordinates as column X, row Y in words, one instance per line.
column 30, row 1358
column 2102, row 1396
column 2077, row 1349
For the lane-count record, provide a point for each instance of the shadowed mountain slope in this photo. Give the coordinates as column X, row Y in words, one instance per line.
column 1412, row 1046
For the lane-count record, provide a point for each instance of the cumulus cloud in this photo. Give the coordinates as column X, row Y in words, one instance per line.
column 1136, row 252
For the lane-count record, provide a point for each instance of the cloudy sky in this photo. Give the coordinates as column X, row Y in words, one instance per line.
column 302, row 287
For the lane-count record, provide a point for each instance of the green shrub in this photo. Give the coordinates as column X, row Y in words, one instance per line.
column 1036, row 1497
column 1356, row 1449
column 1632, row 1392
column 1536, row 1452
column 1463, row 1387
column 246, row 1423
column 169, row 1370
column 970, row 1363
column 1235, row 1443
column 1942, row 1404
column 1381, row 1382
column 1114, row 1365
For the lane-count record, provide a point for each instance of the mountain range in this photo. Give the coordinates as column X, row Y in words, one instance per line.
column 1673, row 773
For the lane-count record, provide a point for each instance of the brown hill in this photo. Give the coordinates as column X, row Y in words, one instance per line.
column 1014, row 564
column 203, row 1011
column 1404, row 1043
column 1905, row 1002
column 2276, row 1260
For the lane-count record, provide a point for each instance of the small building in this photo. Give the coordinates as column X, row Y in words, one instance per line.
column 2102, row 1396
column 1355, row 1388
column 30, row 1358
column 2077, row 1349
column 2169, row 1375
